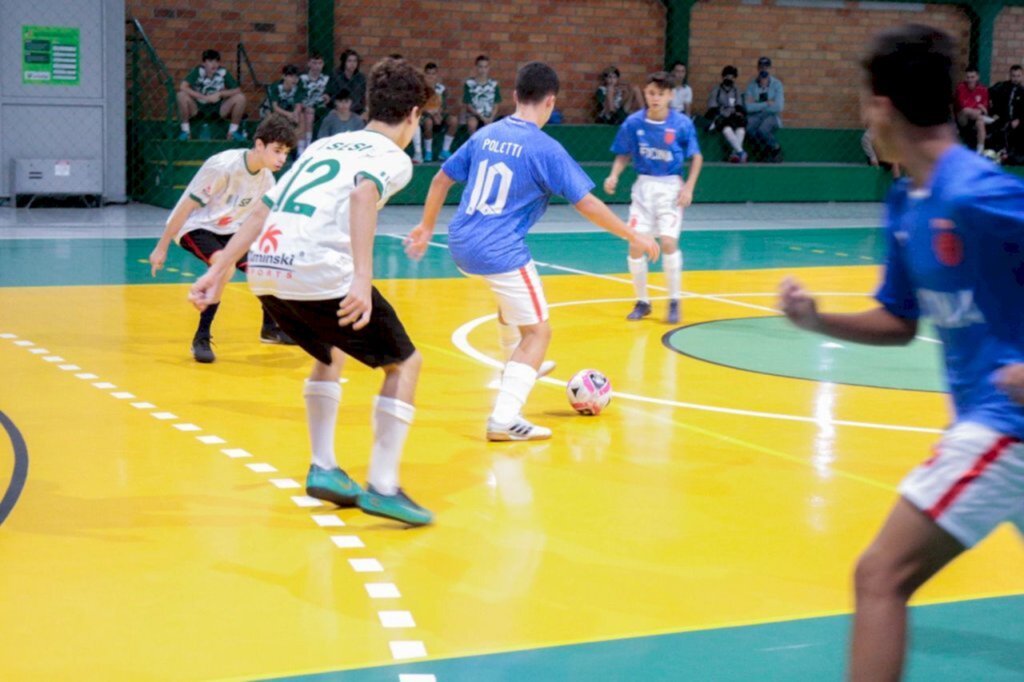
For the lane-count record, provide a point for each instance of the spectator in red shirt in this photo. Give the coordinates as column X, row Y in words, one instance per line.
column 971, row 101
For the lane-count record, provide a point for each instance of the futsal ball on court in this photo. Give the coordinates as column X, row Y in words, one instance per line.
column 589, row 391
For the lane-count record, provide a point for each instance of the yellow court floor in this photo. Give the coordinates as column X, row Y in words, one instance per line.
column 162, row 532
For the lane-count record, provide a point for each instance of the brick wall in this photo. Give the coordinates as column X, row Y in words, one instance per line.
column 815, row 52
column 1009, row 43
column 273, row 32
column 577, row 38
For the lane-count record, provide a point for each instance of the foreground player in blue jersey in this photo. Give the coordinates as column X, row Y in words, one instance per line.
column 512, row 169
column 659, row 141
column 956, row 254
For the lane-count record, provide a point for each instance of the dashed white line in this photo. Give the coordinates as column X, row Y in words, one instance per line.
column 86, row 376
column 347, row 541
column 104, row 385
column 396, row 619
column 236, row 453
column 306, row 501
column 123, row 395
column 382, row 591
column 261, row 468
column 23, row 343
column 407, row 649
column 70, row 368
column 366, row 566
column 163, row 416
column 187, row 427
column 38, row 351
column 53, row 358
column 143, row 406
column 211, row 440
column 284, row 483
column 8, row 336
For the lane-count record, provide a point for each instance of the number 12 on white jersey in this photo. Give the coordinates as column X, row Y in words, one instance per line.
column 483, row 186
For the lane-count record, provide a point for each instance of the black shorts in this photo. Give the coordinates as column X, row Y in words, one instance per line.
column 203, row 244
column 314, row 327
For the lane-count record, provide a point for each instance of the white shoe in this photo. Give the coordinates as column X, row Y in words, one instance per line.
column 546, row 368
column 417, row 159
column 989, row 120
column 517, row 429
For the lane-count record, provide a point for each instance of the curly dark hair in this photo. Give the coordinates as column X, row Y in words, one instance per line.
column 393, row 89
column 276, row 128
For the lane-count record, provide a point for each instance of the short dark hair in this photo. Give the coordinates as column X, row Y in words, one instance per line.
column 396, row 56
column 289, row 70
column 676, row 63
column 971, row 69
column 663, row 79
column 482, row 58
column 730, row 70
column 912, row 65
column 316, row 54
column 1017, row 67
column 276, row 128
column 535, row 81
column 343, row 94
column 430, row 66
column 394, row 88
column 210, row 54
column 609, row 70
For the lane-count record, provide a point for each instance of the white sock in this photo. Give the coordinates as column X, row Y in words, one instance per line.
column 322, row 399
column 391, row 421
column 309, row 138
column 672, row 264
column 741, row 135
column 638, row 268
column 516, row 383
column 510, row 338
column 733, row 139
column 417, row 142
column 186, row 128
column 232, row 128
column 448, row 139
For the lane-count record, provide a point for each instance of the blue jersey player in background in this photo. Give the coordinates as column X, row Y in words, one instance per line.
column 659, row 141
column 511, row 170
column 956, row 254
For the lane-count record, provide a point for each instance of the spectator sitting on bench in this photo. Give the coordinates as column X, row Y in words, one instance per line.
column 210, row 90
column 348, row 77
column 971, row 104
column 682, row 94
column 285, row 97
column 727, row 113
column 480, row 97
column 435, row 116
column 316, row 84
column 1007, row 98
column 615, row 100
column 340, row 119
column 765, row 100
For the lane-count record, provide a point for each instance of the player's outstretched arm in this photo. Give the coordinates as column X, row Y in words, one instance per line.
column 356, row 307
column 417, row 240
column 207, row 289
column 876, row 327
column 175, row 222
column 597, row 212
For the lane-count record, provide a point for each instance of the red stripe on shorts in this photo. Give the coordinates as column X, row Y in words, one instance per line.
column 991, row 455
column 190, row 244
column 533, row 294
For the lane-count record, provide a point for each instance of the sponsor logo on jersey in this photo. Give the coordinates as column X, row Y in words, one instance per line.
column 951, row 309
column 268, row 241
column 655, row 154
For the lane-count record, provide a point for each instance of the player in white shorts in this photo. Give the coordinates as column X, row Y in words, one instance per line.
column 221, row 195
column 658, row 140
column 955, row 233
column 511, row 170
column 311, row 264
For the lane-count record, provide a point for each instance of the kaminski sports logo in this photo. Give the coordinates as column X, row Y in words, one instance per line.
column 268, row 242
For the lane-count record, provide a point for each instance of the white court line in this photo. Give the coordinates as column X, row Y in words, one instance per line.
column 407, row 649
column 460, row 337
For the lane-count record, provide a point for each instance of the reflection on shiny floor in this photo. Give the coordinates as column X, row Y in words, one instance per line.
column 160, row 533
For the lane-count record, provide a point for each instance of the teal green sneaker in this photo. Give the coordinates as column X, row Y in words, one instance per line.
column 333, row 486
column 398, row 506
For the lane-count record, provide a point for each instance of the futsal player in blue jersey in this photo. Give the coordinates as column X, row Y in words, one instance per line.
column 956, row 254
column 659, row 141
column 511, row 170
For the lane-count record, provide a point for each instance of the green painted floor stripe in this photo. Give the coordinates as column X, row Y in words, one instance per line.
column 969, row 640
column 50, row 262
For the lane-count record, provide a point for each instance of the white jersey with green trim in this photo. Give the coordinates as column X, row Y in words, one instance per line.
column 304, row 251
column 226, row 191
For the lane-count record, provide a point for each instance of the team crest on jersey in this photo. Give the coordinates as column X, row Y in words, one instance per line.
column 670, row 136
column 225, row 221
column 942, row 224
column 948, row 247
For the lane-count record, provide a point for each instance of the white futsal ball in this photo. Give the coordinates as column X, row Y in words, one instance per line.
column 589, row 391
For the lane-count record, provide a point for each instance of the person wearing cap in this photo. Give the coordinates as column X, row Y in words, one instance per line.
column 765, row 100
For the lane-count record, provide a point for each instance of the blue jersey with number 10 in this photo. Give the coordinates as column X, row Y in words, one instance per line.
column 511, row 170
